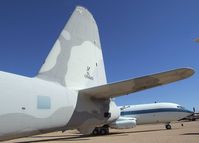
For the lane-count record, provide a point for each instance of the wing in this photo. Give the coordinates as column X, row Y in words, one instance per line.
column 137, row 84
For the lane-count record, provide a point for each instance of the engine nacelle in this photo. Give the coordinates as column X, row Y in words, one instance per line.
column 123, row 123
column 114, row 112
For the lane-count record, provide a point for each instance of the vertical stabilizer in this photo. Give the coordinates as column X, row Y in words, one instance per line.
column 76, row 59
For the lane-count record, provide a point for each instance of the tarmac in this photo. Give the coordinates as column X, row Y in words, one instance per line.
column 188, row 133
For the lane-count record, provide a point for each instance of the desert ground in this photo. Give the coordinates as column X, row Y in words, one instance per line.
column 188, row 133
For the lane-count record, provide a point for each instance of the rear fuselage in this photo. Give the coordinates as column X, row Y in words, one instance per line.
column 30, row 106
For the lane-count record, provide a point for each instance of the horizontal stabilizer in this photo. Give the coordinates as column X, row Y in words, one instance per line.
column 137, row 84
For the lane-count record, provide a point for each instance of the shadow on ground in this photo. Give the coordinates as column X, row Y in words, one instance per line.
column 56, row 138
column 190, row 134
column 81, row 137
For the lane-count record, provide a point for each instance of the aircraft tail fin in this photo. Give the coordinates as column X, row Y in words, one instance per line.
column 76, row 59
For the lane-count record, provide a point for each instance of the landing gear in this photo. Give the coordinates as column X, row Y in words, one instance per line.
column 95, row 132
column 168, row 126
column 104, row 130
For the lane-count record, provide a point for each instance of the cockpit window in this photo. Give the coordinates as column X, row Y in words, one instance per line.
column 124, row 107
column 180, row 107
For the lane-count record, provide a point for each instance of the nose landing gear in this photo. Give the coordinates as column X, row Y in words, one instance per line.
column 168, row 126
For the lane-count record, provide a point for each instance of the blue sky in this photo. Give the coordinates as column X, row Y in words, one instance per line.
column 138, row 37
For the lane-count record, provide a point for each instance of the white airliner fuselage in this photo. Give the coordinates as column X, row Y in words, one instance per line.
column 155, row 113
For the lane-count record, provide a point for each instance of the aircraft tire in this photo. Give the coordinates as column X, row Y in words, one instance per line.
column 103, row 132
column 168, row 127
column 95, row 132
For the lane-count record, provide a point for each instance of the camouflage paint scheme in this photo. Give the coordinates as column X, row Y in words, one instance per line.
column 78, row 64
column 75, row 62
column 78, row 53
column 20, row 114
column 137, row 84
column 59, row 97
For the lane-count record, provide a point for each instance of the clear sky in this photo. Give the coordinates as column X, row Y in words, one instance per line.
column 138, row 37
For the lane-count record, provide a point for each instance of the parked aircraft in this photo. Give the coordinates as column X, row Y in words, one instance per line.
column 70, row 90
column 154, row 113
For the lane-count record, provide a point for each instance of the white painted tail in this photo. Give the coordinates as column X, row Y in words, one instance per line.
column 76, row 59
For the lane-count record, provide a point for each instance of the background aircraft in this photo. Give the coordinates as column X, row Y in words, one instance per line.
column 70, row 90
column 154, row 113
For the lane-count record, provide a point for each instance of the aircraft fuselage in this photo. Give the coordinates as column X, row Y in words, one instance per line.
column 32, row 106
column 155, row 113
